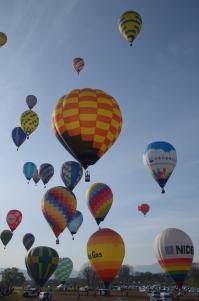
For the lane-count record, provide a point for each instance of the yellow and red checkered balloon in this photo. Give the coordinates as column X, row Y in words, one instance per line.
column 87, row 122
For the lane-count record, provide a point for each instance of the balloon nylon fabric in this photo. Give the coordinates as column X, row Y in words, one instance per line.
column 174, row 251
column 41, row 262
column 104, row 260
column 87, row 122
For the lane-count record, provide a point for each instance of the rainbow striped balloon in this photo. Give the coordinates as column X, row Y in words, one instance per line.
column 100, row 198
column 58, row 206
column 104, row 260
column 174, row 251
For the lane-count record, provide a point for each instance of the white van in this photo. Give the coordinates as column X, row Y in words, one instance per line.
column 45, row 296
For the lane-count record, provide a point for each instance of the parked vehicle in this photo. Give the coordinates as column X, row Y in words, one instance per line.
column 30, row 292
column 45, row 296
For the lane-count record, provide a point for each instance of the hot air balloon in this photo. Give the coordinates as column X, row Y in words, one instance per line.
column 36, row 177
column 28, row 240
column 129, row 25
column 106, row 250
column 41, row 262
column 3, row 39
column 87, row 122
column 46, row 171
column 100, row 198
column 78, row 64
column 160, row 160
column 58, row 206
column 144, row 208
column 64, row 269
column 29, row 122
column 18, row 136
column 6, row 236
column 71, row 174
column 31, row 101
column 29, row 169
column 13, row 219
column 174, row 251
column 75, row 222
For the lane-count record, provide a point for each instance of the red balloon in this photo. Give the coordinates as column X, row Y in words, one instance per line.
column 13, row 219
column 144, row 208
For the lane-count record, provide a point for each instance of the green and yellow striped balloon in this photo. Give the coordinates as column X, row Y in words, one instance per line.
column 129, row 25
column 64, row 269
column 41, row 262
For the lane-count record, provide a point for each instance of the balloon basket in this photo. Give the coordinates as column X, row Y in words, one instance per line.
column 87, row 176
column 57, row 241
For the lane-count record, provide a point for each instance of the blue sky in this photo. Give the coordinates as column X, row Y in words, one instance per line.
column 155, row 83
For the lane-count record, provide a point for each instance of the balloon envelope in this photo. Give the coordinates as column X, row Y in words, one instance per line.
column 75, row 222
column 106, row 250
column 100, row 198
column 29, row 169
column 31, row 101
column 78, row 64
column 36, row 177
column 29, row 122
column 28, row 240
column 71, row 174
column 87, row 122
column 41, row 262
column 129, row 25
column 18, row 136
column 3, row 39
column 6, row 236
column 160, row 160
column 13, row 219
column 174, row 251
column 64, row 269
column 144, row 208
column 46, row 171
column 58, row 205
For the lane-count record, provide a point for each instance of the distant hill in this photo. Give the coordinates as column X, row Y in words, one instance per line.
column 152, row 268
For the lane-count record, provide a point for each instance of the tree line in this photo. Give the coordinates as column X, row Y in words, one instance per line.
column 11, row 277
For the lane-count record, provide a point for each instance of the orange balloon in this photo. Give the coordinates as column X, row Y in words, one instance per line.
column 106, row 252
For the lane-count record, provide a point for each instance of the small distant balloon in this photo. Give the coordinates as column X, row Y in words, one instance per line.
column 13, row 219
column 144, row 208
column 3, row 39
column 71, row 174
column 46, row 171
column 6, row 236
column 29, row 122
column 29, row 169
column 129, row 25
column 78, row 64
column 28, row 240
column 160, row 159
column 75, row 222
column 31, row 101
column 36, row 177
column 18, row 136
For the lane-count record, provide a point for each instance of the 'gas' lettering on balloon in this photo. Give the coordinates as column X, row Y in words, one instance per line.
column 94, row 255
